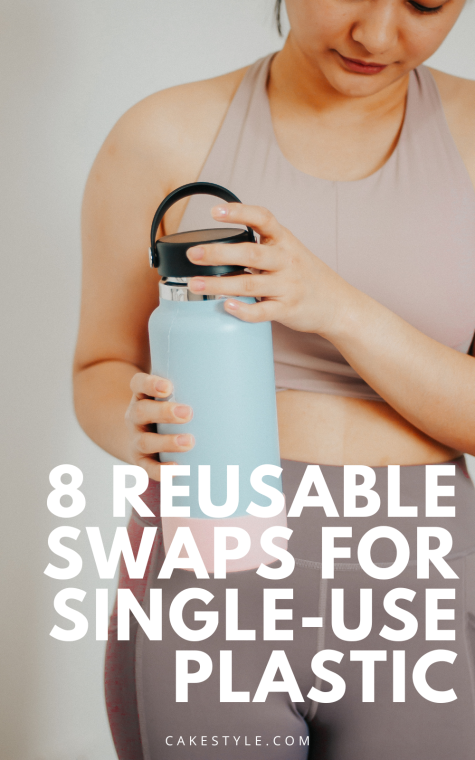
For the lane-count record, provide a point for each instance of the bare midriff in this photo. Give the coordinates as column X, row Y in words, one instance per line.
column 323, row 429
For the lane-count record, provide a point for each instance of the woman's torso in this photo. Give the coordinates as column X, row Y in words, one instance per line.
column 321, row 422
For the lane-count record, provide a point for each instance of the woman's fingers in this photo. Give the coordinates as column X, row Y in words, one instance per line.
column 237, row 285
column 145, row 411
column 259, row 258
column 260, row 219
column 153, row 386
column 153, row 443
column 262, row 311
column 251, row 255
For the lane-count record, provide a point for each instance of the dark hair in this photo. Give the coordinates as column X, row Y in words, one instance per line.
column 277, row 9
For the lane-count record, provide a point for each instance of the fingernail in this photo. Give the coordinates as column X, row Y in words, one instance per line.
column 182, row 411
column 195, row 254
column 197, row 284
column 219, row 211
column 162, row 385
column 232, row 305
column 184, row 440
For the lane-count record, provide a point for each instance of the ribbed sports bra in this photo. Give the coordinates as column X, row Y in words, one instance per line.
column 405, row 235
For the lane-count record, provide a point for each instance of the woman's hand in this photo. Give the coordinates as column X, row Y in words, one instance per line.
column 142, row 415
column 297, row 289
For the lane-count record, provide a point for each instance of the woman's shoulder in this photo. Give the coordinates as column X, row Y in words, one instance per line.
column 458, row 100
column 171, row 131
column 457, row 94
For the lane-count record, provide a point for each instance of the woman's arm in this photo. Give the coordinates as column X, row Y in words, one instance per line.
column 159, row 144
column 430, row 385
column 118, row 290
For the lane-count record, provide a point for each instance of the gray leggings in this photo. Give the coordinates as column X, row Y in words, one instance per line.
column 347, row 729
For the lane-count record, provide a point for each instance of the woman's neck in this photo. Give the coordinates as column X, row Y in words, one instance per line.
column 326, row 133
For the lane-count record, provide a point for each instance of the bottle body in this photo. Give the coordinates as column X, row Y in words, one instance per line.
column 223, row 368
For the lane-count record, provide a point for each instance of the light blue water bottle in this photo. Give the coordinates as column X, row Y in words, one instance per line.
column 219, row 365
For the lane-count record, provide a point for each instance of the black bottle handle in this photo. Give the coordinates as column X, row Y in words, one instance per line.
column 193, row 188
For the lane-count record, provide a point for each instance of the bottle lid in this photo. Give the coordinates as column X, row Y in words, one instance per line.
column 168, row 253
column 172, row 261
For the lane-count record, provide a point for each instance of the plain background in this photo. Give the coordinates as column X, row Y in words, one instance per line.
column 70, row 68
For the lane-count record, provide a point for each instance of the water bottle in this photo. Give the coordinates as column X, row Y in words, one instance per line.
column 223, row 368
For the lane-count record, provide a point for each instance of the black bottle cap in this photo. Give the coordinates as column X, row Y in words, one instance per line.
column 171, row 251
column 168, row 253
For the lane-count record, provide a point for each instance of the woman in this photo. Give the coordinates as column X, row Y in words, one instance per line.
column 368, row 159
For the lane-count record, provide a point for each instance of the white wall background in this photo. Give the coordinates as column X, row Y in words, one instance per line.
column 69, row 69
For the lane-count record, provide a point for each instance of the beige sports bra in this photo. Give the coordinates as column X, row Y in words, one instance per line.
column 404, row 235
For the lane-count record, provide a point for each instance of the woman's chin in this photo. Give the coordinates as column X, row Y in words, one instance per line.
column 357, row 85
